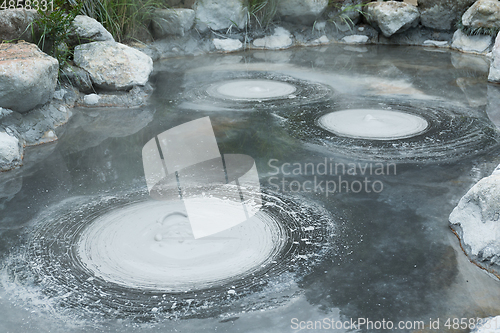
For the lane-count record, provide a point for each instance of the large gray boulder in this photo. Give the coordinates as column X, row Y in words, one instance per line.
column 28, row 77
column 11, row 151
column 175, row 21
column 85, row 29
column 442, row 14
column 303, row 11
column 14, row 24
column 475, row 43
column 483, row 14
column 476, row 221
column 392, row 17
column 113, row 65
column 494, row 75
column 221, row 14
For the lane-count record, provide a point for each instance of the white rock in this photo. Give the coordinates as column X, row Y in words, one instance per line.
column 392, row 17
column 91, row 99
column 59, row 94
column 303, row 11
column 483, row 14
column 227, row 45
column 322, row 40
column 320, row 26
column 438, row 43
column 355, row 39
column 28, row 77
column 221, row 14
column 476, row 220
column 488, row 325
column 494, row 75
column 113, row 65
column 11, row 152
column 174, row 21
column 477, row 43
column 279, row 40
column 86, row 29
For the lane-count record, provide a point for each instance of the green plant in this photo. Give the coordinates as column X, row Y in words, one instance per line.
column 53, row 27
column 262, row 11
column 476, row 31
column 124, row 19
column 342, row 13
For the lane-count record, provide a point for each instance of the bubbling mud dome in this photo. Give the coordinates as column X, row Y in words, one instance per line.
column 129, row 257
column 373, row 124
column 400, row 131
column 242, row 90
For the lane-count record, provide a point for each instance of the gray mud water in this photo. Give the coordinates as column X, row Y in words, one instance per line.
column 362, row 224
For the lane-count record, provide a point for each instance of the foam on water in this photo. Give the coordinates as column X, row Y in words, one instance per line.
column 373, row 124
column 150, row 245
column 128, row 257
column 251, row 89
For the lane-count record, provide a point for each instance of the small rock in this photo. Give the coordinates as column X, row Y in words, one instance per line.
column 279, row 40
column 11, row 152
column 113, row 65
column 437, row 43
column 221, row 14
column 477, row 43
column 303, row 11
column 59, row 94
column 28, row 77
column 85, row 29
column 320, row 25
column 174, row 21
column 355, row 39
column 322, row 40
column 392, row 17
column 91, row 99
column 483, row 14
column 227, row 45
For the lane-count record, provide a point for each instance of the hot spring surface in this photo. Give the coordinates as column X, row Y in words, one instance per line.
column 361, row 152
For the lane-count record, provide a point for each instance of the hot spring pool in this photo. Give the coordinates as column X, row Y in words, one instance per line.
column 361, row 154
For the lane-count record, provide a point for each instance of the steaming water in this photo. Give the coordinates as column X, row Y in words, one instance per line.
column 83, row 248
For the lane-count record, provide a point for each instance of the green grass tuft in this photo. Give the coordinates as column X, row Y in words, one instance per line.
column 262, row 11
column 124, row 19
